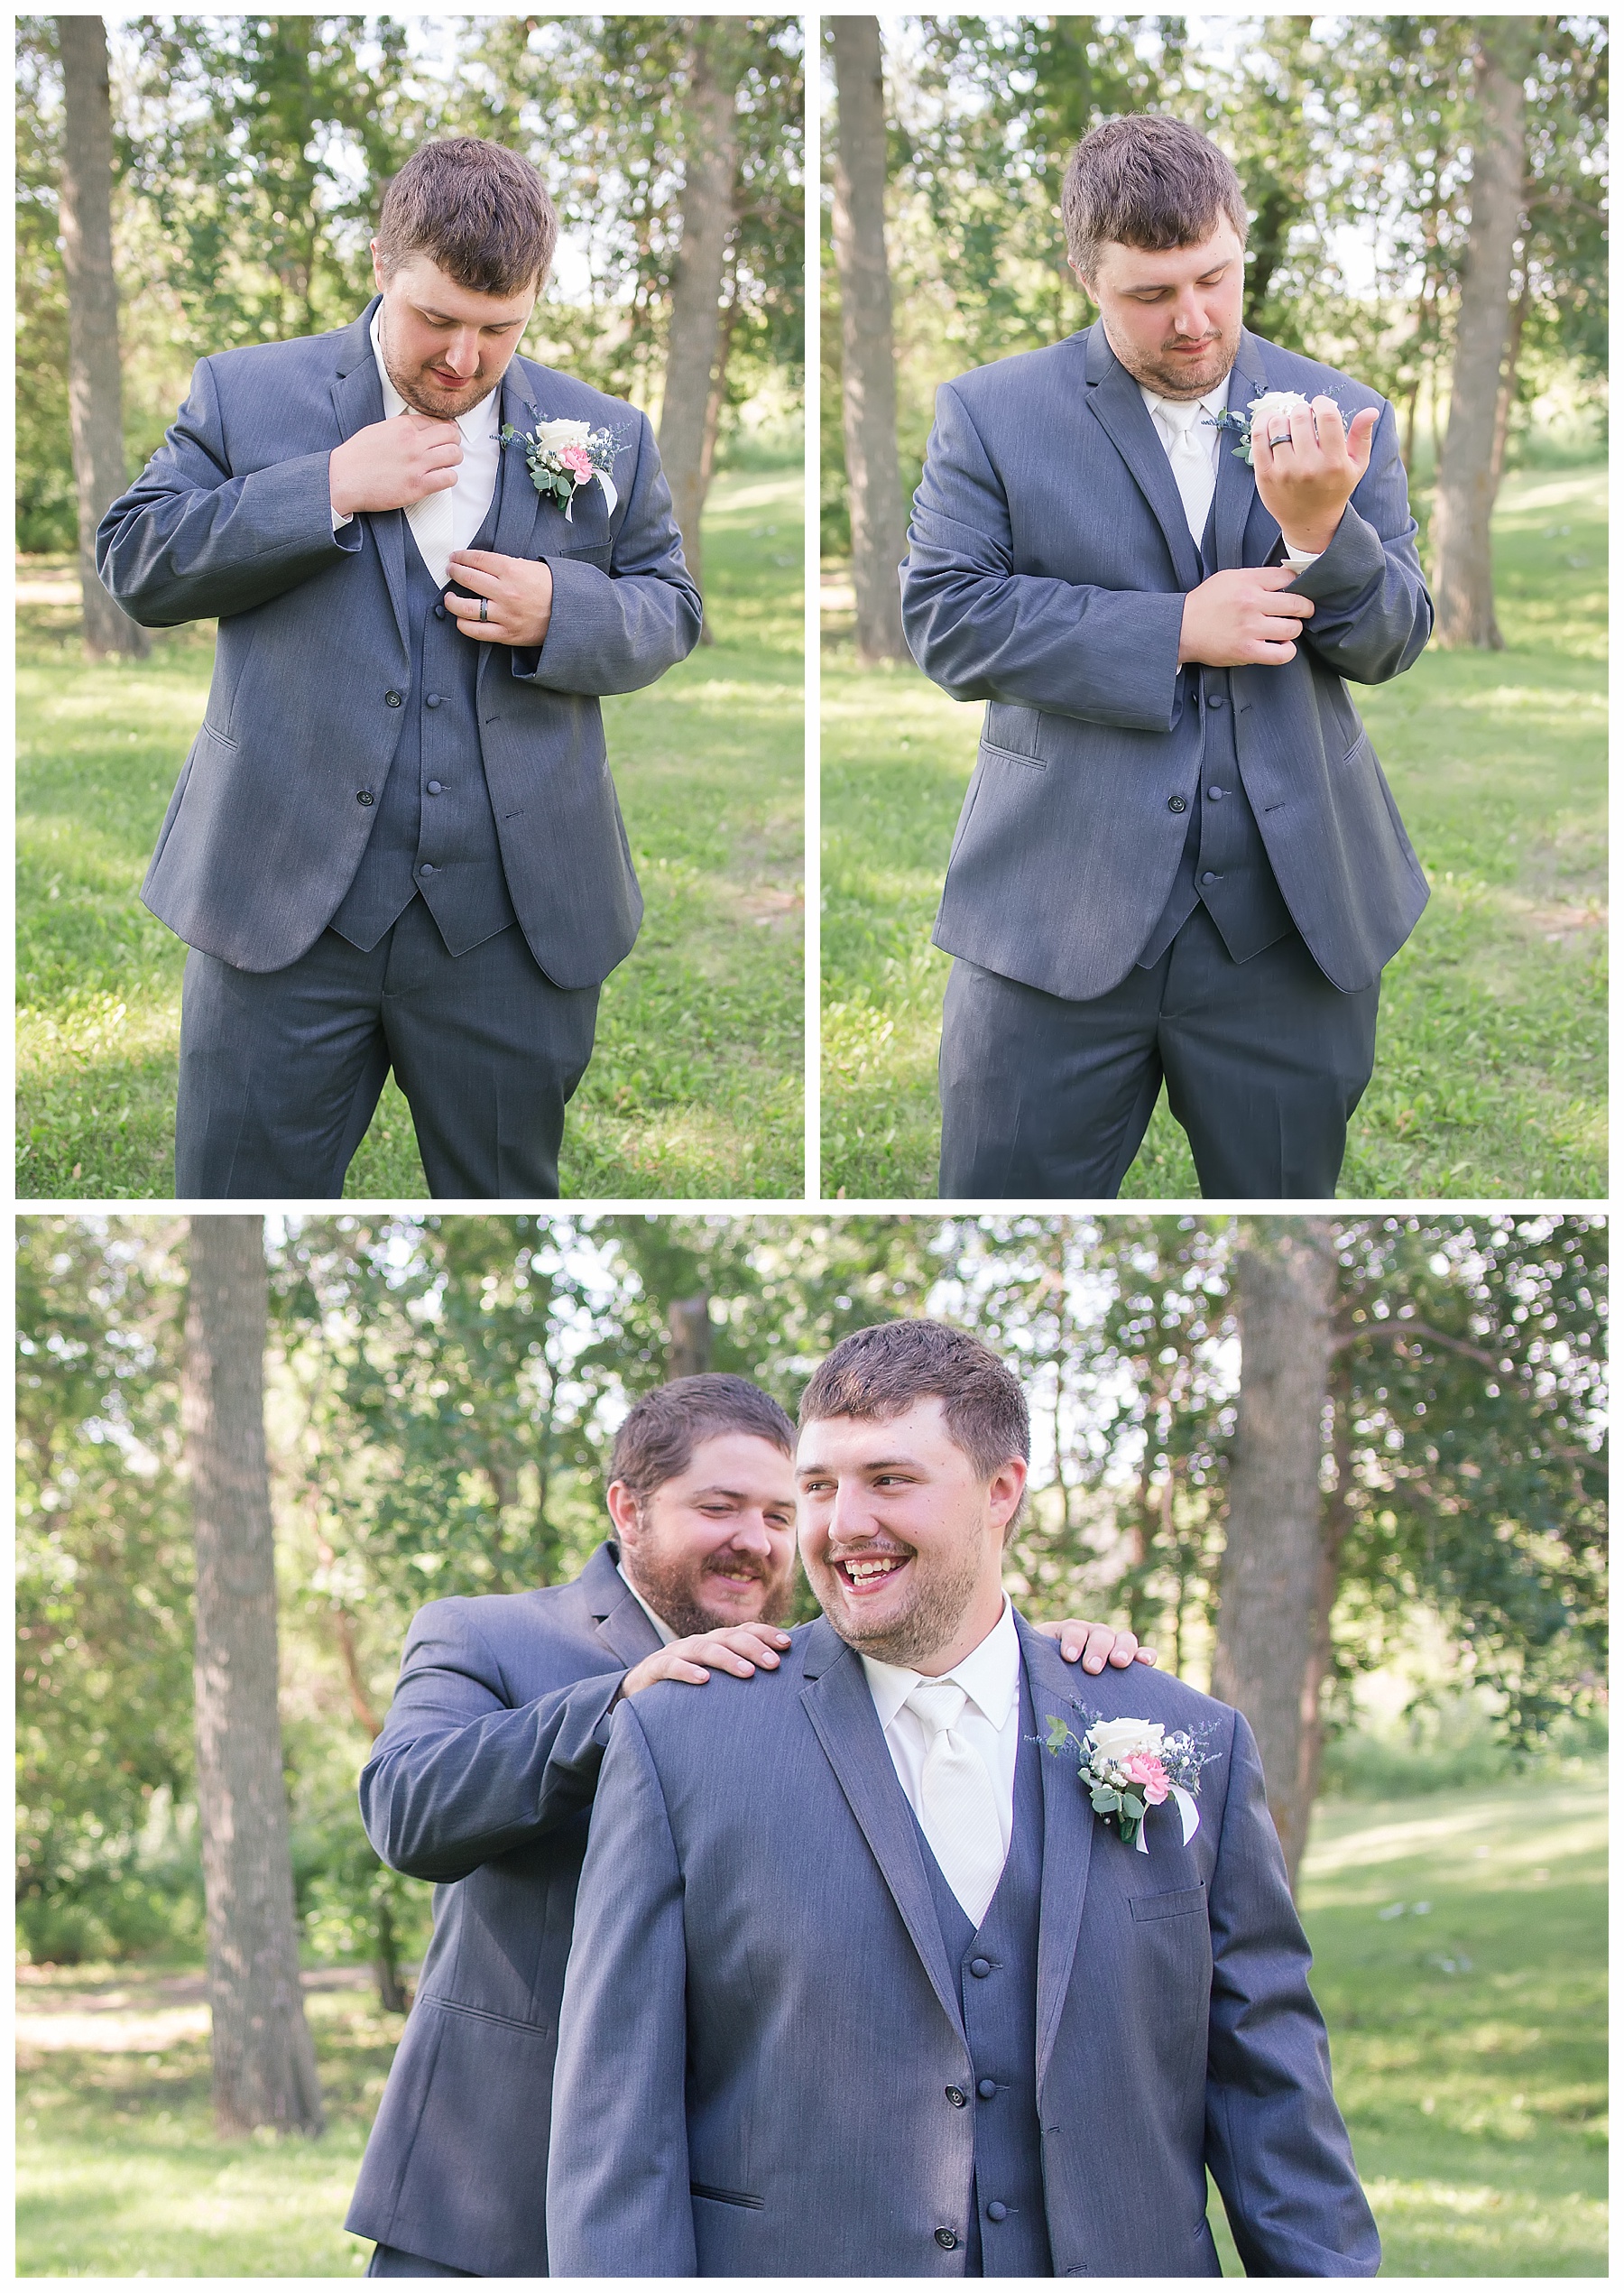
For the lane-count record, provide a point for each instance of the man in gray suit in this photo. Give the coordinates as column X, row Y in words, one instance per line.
column 861, row 1983
column 395, row 841
column 1178, row 858
column 483, row 1780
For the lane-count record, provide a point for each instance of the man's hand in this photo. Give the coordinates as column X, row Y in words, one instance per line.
column 1097, row 1644
column 518, row 594
column 389, row 466
column 738, row 1649
column 1241, row 616
column 1304, row 482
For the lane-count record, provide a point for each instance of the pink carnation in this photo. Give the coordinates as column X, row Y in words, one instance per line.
column 1147, row 1771
column 577, row 461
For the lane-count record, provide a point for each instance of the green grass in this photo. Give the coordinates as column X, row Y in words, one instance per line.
column 696, row 1085
column 1490, row 1058
column 1468, row 2044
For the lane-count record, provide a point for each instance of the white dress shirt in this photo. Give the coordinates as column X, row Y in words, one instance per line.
column 1191, row 440
column 990, row 1676
column 448, row 520
column 666, row 1634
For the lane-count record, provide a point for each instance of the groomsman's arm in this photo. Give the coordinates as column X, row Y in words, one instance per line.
column 460, row 1774
column 1275, row 2139
column 1372, row 615
column 189, row 540
column 618, row 2203
column 614, row 631
column 984, row 632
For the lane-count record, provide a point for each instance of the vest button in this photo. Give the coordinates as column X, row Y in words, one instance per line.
column 987, row 2089
column 979, row 1966
column 1177, row 804
column 947, row 2239
column 1214, row 698
column 957, row 2096
column 391, row 701
column 1209, row 877
column 434, row 787
column 439, row 613
column 998, row 2211
column 1216, row 793
column 431, row 700
column 365, row 796
column 427, row 869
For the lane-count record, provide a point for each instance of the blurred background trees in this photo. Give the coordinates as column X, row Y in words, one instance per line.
column 441, row 1393
column 1370, row 171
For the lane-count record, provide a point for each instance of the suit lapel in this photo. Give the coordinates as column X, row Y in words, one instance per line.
column 1068, row 1822
column 1238, row 499
column 516, row 498
column 622, row 1626
column 841, row 1712
column 1117, row 406
column 358, row 401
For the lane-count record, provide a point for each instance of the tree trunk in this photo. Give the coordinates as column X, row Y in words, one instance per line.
column 265, row 2065
column 709, row 178
column 1269, row 1585
column 1508, row 389
column 689, row 1352
column 1465, row 574
column 868, row 371
column 95, row 403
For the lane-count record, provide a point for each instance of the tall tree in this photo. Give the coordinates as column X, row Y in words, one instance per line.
column 694, row 338
column 265, row 2064
column 95, row 388
column 1269, row 1581
column 1465, row 583
column 868, row 357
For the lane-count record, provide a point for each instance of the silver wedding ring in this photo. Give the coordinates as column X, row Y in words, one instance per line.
column 484, row 608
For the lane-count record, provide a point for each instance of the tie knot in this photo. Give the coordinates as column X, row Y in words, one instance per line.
column 937, row 1705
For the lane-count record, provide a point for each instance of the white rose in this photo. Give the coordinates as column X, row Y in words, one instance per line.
column 1284, row 402
column 553, row 437
column 1118, row 1740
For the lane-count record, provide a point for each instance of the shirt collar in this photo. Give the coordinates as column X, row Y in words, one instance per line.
column 990, row 1675
column 479, row 421
column 666, row 1634
column 1214, row 400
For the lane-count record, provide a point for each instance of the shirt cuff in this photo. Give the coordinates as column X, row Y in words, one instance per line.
column 1302, row 557
column 339, row 522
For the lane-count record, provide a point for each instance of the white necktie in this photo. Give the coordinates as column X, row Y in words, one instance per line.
column 430, row 523
column 959, row 1814
column 1190, row 452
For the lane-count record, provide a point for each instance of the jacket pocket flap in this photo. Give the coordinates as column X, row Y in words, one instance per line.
column 1175, row 1905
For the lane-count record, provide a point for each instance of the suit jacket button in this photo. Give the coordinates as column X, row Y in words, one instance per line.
column 364, row 796
column 998, row 2211
column 957, row 2095
column 987, row 2089
column 947, row 2239
column 1177, row 804
column 391, row 701
column 979, row 1966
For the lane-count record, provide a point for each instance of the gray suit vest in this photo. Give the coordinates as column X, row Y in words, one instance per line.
column 436, row 832
column 998, row 1996
column 1224, row 866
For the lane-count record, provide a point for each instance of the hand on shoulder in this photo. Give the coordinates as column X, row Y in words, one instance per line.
column 738, row 1649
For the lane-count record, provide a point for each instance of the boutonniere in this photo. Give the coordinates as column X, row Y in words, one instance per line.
column 1273, row 403
column 1129, row 1766
column 564, row 456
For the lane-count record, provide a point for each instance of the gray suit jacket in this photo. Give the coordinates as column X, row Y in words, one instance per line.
column 1048, row 561
column 483, row 1780
column 231, row 516
column 761, row 2022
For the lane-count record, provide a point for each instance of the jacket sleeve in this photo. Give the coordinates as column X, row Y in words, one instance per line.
column 1275, row 2139
column 1372, row 615
column 460, row 1774
column 984, row 632
column 189, row 540
column 618, row 2203
column 613, row 632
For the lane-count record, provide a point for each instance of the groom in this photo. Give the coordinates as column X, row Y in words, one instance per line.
column 1177, row 859
column 395, row 841
column 861, row 1984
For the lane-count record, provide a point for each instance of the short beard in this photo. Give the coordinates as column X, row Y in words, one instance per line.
column 410, row 389
column 1175, row 385
column 672, row 1592
column 930, row 1625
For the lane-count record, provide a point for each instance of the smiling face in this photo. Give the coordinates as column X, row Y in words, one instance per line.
column 445, row 347
column 902, row 1537
column 714, row 1545
column 1174, row 317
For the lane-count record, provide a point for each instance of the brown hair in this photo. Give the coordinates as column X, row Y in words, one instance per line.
column 660, row 1433
column 1146, row 181
column 879, row 1373
column 478, row 210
